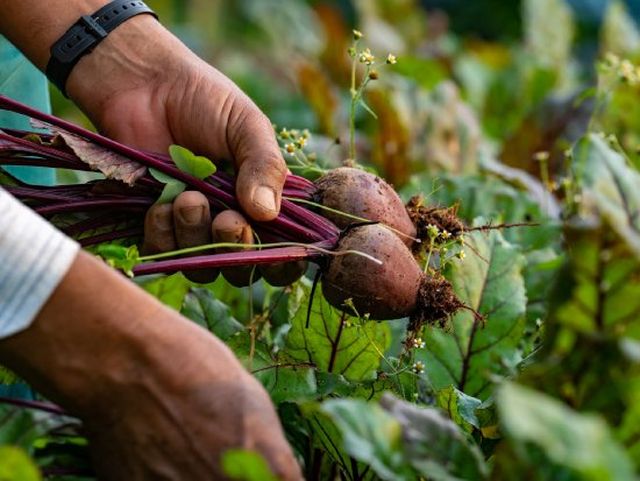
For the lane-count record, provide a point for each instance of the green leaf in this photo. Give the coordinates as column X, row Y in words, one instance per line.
column 17, row 466
column 549, row 30
column 7, row 376
column 434, row 445
column 334, row 342
column 284, row 380
column 611, row 185
column 370, row 435
column 170, row 290
column 582, row 444
column 120, row 257
column 603, row 293
column 400, row 440
column 203, row 308
column 460, row 407
column 245, row 465
column 172, row 187
column 195, row 165
column 489, row 280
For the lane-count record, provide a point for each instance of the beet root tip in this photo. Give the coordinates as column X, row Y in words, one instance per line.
column 436, row 302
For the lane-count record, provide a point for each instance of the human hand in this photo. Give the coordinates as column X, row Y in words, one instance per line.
column 160, row 397
column 143, row 87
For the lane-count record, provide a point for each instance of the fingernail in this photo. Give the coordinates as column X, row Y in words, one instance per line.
column 192, row 215
column 265, row 197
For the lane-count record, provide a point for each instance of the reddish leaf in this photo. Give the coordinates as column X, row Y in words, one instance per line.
column 112, row 165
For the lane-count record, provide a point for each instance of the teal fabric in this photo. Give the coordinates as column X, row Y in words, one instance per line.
column 22, row 81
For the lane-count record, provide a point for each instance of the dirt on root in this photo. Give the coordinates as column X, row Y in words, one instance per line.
column 423, row 216
column 437, row 302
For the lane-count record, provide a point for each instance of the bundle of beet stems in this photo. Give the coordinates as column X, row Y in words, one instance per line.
column 361, row 241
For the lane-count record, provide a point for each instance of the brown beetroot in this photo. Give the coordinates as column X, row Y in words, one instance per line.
column 397, row 288
column 387, row 291
column 364, row 195
column 231, row 226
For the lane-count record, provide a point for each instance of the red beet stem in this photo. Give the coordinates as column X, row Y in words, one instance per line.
column 111, row 236
column 231, row 259
column 316, row 228
column 97, row 204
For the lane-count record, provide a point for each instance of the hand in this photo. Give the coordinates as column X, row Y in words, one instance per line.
column 143, row 87
column 160, row 397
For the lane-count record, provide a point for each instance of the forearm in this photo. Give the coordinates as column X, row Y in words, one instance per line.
column 99, row 338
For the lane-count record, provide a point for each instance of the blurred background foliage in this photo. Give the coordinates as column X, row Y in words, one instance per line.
column 474, row 75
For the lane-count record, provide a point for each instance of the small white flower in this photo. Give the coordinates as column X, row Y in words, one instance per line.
column 366, row 57
column 418, row 367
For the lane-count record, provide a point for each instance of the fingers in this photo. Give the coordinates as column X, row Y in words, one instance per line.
column 158, row 230
column 192, row 219
column 231, row 226
column 261, row 168
column 192, row 224
column 183, row 224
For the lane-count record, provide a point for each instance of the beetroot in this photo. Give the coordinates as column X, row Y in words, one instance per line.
column 386, row 291
column 363, row 195
column 397, row 288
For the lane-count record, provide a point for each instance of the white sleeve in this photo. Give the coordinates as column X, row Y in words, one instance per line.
column 34, row 257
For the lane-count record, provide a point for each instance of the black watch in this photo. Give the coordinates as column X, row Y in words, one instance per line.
column 85, row 34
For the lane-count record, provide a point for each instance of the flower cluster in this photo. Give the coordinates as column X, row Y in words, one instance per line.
column 625, row 70
column 294, row 140
column 366, row 57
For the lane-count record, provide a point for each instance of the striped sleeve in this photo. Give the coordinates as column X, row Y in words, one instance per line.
column 34, row 257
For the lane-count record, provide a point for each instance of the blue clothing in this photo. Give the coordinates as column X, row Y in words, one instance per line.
column 22, row 81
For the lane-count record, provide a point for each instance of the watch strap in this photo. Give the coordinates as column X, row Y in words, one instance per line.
column 86, row 34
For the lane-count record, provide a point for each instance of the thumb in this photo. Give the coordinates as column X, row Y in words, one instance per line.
column 261, row 170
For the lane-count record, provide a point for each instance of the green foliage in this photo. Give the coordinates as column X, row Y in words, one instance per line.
column 16, row 465
column 609, row 184
column 401, row 441
column 170, row 290
column 189, row 163
column 334, row 342
column 210, row 313
column 578, row 446
column 119, row 257
column 172, row 187
column 490, row 282
column 244, row 465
